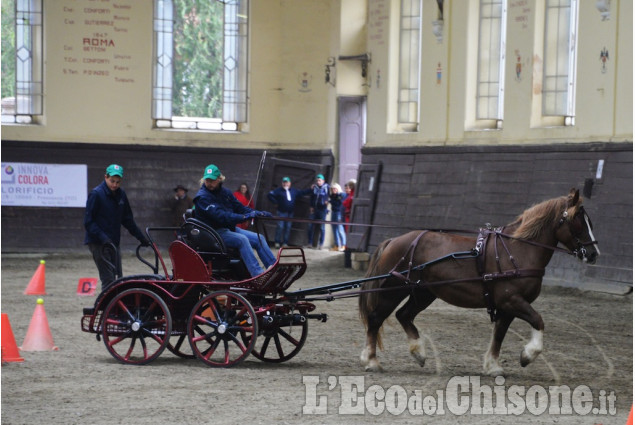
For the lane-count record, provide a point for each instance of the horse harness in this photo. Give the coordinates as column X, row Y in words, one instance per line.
column 487, row 278
column 479, row 253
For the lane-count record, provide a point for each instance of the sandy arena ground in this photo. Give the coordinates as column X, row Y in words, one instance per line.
column 588, row 342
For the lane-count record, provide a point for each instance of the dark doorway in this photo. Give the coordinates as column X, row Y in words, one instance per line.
column 302, row 175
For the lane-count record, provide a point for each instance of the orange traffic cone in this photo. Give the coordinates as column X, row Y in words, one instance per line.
column 10, row 351
column 37, row 283
column 629, row 421
column 38, row 336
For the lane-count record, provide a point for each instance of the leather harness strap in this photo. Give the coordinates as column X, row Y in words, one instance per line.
column 479, row 253
column 411, row 249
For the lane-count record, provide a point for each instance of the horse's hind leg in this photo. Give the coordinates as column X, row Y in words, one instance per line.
column 376, row 319
column 491, row 366
column 419, row 300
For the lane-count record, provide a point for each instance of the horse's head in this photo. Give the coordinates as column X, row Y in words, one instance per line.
column 575, row 230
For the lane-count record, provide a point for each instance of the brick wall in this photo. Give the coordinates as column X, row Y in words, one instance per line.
column 151, row 173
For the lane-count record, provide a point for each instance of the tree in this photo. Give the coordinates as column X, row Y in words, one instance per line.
column 8, row 48
column 198, row 58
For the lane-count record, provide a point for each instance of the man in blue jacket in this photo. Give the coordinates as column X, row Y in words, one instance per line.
column 219, row 208
column 284, row 197
column 319, row 207
column 107, row 209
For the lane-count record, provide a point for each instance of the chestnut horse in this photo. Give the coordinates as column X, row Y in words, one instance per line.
column 500, row 270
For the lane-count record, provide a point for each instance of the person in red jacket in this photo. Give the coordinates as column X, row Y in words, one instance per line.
column 347, row 203
column 244, row 197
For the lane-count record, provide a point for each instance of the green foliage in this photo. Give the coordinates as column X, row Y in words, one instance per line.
column 8, row 48
column 198, row 58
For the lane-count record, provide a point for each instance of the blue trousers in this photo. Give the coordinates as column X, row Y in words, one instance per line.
column 246, row 241
column 317, row 215
column 283, row 231
column 338, row 229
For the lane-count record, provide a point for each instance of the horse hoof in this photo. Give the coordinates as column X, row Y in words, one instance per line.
column 524, row 359
column 494, row 372
column 421, row 361
column 373, row 366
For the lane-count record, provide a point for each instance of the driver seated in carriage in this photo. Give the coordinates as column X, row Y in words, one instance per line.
column 217, row 207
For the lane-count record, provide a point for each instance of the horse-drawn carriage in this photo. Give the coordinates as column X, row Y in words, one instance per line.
column 209, row 300
column 207, row 306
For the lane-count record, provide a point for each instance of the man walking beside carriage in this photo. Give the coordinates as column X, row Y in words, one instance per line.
column 107, row 209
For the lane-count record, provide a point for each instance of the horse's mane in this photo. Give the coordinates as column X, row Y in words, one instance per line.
column 535, row 219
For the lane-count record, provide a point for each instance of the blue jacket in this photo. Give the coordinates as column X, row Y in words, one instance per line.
column 106, row 211
column 220, row 208
column 320, row 196
column 279, row 196
column 336, row 201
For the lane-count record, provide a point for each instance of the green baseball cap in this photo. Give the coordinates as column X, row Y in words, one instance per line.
column 319, row 176
column 286, row 179
column 114, row 170
column 211, row 172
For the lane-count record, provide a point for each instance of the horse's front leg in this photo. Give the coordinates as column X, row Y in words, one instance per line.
column 523, row 310
column 533, row 347
column 491, row 365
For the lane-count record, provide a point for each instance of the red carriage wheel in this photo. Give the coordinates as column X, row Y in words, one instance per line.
column 279, row 343
column 222, row 329
column 136, row 326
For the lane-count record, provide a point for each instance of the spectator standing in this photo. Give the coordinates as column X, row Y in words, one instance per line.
column 337, row 215
column 244, row 197
column 179, row 204
column 284, row 197
column 349, row 189
column 319, row 204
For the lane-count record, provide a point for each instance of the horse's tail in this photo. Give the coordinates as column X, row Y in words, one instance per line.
column 368, row 301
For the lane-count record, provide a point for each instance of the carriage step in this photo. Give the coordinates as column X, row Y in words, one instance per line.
column 89, row 311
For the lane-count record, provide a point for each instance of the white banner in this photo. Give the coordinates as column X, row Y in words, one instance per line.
column 43, row 185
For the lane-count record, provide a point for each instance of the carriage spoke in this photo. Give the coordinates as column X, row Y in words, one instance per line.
column 276, row 339
column 288, row 337
column 265, row 345
column 131, row 348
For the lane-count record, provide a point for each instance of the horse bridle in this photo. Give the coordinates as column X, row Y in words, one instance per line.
column 580, row 251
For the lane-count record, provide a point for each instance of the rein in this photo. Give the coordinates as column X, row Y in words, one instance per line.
column 459, row 231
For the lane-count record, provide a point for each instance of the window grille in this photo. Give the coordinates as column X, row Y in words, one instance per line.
column 234, row 74
column 409, row 62
column 26, row 101
column 491, row 59
column 558, row 92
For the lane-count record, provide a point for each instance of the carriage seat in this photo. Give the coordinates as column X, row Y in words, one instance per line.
column 210, row 246
column 187, row 264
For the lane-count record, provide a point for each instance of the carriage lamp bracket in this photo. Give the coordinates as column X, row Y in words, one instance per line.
column 364, row 59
